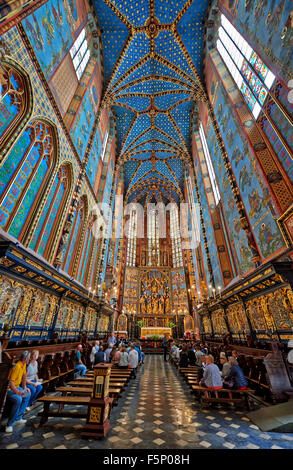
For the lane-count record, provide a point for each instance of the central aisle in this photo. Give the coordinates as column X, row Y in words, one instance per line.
column 156, row 411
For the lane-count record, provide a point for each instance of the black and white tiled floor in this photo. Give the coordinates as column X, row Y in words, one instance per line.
column 156, row 411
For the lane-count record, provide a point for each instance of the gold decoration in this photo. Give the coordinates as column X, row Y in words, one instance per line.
column 95, row 414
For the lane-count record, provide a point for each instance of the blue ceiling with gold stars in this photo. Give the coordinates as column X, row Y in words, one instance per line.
column 152, row 51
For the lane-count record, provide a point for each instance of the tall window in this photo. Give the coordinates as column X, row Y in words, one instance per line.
column 13, row 99
column 175, row 238
column 24, row 175
column 131, row 243
column 105, row 141
column 50, row 218
column 209, row 165
column 80, row 54
column 251, row 75
column 153, row 238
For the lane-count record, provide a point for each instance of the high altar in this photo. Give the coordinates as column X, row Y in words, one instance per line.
column 145, row 332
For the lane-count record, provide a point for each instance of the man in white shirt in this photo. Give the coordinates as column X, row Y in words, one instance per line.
column 133, row 359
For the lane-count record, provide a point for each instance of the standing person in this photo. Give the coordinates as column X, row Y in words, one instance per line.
column 235, row 355
column 108, row 353
column 165, row 347
column 198, row 354
column 18, row 393
column 32, row 380
column 79, row 365
column 133, row 359
column 111, row 339
column 211, row 376
column 123, row 361
column 94, row 350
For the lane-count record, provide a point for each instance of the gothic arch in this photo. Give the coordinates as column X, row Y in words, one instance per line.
column 16, row 105
column 25, row 175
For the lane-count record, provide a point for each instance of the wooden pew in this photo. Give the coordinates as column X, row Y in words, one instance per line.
column 87, row 391
column 231, row 397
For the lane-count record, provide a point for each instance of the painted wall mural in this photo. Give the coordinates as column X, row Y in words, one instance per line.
column 49, row 30
column 255, row 193
column 241, row 251
column 268, row 25
column 83, row 124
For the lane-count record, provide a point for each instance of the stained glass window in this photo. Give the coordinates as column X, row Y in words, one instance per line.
column 131, row 243
column 175, row 238
column 12, row 99
column 209, row 163
column 74, row 238
column 49, row 220
column 153, row 238
column 80, row 54
column 251, row 75
column 23, row 175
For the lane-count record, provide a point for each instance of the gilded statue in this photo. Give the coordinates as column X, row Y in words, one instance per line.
column 142, row 304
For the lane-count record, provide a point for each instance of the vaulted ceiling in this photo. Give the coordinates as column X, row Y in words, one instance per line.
column 152, row 52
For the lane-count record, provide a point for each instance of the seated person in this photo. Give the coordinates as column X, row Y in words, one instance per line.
column 211, row 377
column 235, row 377
column 79, row 365
column 18, row 393
column 199, row 355
column 183, row 357
column 226, row 366
column 191, row 356
column 32, row 380
column 100, row 356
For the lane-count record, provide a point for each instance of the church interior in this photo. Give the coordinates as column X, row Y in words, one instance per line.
column 146, row 209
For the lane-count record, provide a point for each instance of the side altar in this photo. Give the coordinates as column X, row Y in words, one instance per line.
column 145, row 332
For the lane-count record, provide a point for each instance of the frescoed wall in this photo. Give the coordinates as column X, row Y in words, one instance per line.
column 51, row 29
column 254, row 192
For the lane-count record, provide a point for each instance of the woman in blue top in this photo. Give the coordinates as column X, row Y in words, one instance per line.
column 235, row 376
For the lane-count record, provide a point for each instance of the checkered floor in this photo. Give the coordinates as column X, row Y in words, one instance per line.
column 156, row 411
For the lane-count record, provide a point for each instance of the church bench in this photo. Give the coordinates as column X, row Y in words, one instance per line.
column 113, row 383
column 61, row 401
column 114, row 392
column 231, row 397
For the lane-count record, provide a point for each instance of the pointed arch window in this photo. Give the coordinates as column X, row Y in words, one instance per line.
column 210, row 166
column 13, row 100
column 249, row 72
column 131, row 242
column 24, row 175
column 153, row 238
column 74, row 238
column 49, row 221
column 175, row 238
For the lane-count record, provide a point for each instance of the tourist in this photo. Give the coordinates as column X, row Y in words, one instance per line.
column 225, row 366
column 191, row 356
column 211, row 376
column 94, row 350
column 112, row 354
column 133, row 360
column 116, row 358
column 32, row 380
column 198, row 354
column 235, row 355
column 235, row 379
column 18, row 393
column 123, row 361
column 183, row 362
column 111, row 339
column 165, row 347
column 108, row 353
column 100, row 356
column 79, row 365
